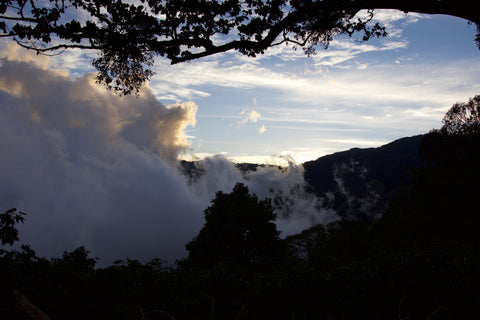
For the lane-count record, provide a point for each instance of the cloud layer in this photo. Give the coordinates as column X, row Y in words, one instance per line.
column 95, row 169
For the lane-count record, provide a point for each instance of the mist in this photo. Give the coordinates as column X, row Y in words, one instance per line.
column 95, row 169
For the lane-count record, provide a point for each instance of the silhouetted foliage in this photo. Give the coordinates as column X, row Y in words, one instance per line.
column 239, row 228
column 463, row 118
column 130, row 34
column 8, row 219
column 458, row 138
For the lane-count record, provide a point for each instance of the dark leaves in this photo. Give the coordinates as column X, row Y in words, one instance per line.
column 463, row 118
column 238, row 227
column 8, row 220
column 129, row 36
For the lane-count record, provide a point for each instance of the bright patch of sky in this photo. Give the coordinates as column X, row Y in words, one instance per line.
column 354, row 94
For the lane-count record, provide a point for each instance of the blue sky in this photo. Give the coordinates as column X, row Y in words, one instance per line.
column 350, row 95
column 353, row 94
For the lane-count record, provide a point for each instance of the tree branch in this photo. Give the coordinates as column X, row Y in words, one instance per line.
column 22, row 18
column 63, row 47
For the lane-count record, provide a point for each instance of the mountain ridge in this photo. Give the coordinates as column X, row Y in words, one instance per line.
column 358, row 183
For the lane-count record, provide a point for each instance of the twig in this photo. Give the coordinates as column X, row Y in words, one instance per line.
column 440, row 308
column 163, row 312
column 144, row 315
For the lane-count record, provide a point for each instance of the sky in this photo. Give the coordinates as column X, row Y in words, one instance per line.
column 351, row 95
column 97, row 169
column 354, row 94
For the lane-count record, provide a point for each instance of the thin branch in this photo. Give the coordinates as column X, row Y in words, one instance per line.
column 287, row 39
column 162, row 312
column 214, row 50
column 62, row 47
column 434, row 313
column 22, row 18
column 256, row 46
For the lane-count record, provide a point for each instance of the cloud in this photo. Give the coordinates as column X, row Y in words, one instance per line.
column 249, row 116
column 295, row 208
column 395, row 20
column 262, row 129
column 82, row 110
column 381, row 84
column 95, row 169
column 92, row 168
column 345, row 49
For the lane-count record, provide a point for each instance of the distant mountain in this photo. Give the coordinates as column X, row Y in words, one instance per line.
column 194, row 169
column 359, row 183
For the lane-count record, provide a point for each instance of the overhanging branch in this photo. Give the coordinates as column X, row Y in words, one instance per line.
column 62, row 47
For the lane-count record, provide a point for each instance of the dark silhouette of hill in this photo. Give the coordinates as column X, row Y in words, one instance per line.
column 359, row 183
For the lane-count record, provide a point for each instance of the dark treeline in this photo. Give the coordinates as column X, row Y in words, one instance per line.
column 420, row 260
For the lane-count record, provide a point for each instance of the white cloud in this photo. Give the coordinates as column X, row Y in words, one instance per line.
column 95, row 169
column 343, row 50
column 297, row 210
column 395, row 20
column 359, row 142
column 382, row 84
column 262, row 129
column 249, row 116
column 92, row 168
column 362, row 66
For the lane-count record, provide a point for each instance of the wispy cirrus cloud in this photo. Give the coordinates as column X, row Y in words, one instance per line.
column 387, row 84
column 344, row 50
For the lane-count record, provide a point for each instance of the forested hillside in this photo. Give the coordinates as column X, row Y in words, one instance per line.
column 420, row 260
column 359, row 183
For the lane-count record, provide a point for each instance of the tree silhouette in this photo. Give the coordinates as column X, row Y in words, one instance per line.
column 463, row 118
column 129, row 35
column 8, row 219
column 238, row 229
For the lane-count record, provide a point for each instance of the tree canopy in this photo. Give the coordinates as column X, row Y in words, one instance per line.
column 8, row 232
column 239, row 228
column 129, row 35
column 463, row 117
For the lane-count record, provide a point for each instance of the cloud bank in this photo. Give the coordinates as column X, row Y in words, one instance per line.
column 95, row 169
